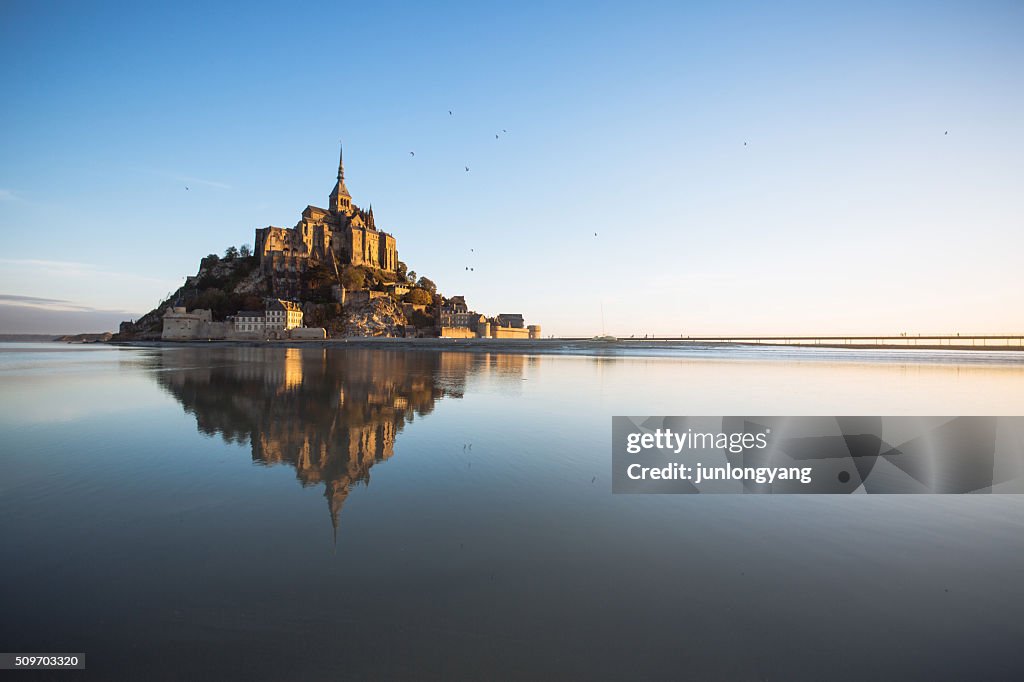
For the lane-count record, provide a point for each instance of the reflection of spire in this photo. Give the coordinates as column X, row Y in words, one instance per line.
column 335, row 493
column 334, row 527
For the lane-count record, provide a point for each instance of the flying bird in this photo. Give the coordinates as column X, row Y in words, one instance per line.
column 495, row 136
column 503, row 130
column 412, row 153
column 946, row 133
column 467, row 169
column 186, row 188
column 595, row 234
column 744, row 144
column 449, row 112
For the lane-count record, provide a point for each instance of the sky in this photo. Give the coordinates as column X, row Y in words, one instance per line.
column 660, row 168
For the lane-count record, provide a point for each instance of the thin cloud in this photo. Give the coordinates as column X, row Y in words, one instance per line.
column 21, row 319
column 66, row 268
column 30, row 299
column 38, row 263
column 52, row 304
column 8, row 195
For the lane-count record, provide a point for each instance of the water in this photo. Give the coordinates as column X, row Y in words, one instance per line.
column 297, row 515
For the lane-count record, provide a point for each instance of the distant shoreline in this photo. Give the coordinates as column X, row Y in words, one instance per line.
column 622, row 347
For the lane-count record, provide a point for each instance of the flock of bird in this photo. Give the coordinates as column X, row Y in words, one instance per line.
column 503, row 131
column 497, row 136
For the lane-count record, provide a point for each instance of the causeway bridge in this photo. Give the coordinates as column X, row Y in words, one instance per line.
column 923, row 342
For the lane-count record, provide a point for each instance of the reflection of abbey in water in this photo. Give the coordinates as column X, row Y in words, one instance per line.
column 330, row 414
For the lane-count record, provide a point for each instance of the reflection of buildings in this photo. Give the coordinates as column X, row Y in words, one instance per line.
column 330, row 414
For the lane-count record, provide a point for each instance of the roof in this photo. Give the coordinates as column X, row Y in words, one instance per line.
column 278, row 304
column 250, row 313
column 340, row 188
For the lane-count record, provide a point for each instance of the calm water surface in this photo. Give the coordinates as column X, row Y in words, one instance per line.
column 297, row 515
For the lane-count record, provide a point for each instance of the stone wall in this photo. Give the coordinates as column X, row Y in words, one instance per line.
column 308, row 333
column 363, row 296
column 457, row 333
column 180, row 324
column 509, row 333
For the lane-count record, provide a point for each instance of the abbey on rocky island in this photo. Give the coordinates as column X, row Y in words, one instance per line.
column 340, row 235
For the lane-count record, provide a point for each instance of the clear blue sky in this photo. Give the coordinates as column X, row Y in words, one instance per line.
column 848, row 210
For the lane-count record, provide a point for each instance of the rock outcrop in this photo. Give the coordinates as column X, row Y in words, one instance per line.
column 85, row 338
column 377, row 317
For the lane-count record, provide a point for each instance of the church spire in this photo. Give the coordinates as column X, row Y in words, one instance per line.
column 341, row 200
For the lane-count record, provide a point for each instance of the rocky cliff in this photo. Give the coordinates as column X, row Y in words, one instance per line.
column 225, row 286
column 378, row 317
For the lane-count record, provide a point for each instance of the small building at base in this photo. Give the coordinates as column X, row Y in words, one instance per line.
column 279, row 320
column 181, row 325
column 278, row 316
column 457, row 321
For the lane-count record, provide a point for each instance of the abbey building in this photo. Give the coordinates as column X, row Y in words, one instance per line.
column 342, row 234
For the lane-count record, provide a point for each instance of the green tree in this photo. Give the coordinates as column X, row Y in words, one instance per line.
column 402, row 271
column 231, row 253
column 353, row 278
column 218, row 302
column 412, row 277
column 418, row 297
column 421, row 320
column 244, row 251
column 427, row 284
column 319, row 280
